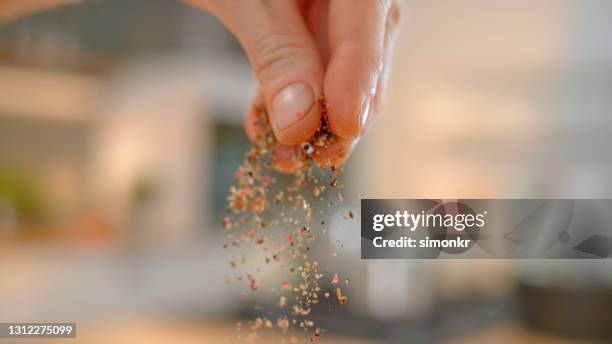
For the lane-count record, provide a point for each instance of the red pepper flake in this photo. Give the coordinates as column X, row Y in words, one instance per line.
column 227, row 223
column 266, row 182
column 259, row 241
column 298, row 114
column 290, row 239
column 335, row 279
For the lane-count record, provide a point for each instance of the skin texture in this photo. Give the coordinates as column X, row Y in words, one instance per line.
column 339, row 48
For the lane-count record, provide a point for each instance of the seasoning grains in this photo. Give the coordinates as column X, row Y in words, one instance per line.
column 258, row 198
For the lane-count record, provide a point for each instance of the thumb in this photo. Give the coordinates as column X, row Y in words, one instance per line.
column 285, row 60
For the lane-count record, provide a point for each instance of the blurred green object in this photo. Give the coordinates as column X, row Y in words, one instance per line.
column 21, row 192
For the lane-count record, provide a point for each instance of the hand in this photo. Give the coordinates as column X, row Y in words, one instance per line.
column 301, row 49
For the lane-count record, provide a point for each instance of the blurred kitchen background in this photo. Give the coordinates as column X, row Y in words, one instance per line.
column 121, row 126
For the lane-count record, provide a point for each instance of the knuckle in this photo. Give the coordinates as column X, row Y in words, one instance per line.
column 276, row 51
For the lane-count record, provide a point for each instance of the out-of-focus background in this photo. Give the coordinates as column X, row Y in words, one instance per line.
column 120, row 128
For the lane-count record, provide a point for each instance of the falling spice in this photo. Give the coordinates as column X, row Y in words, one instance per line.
column 227, row 223
column 316, row 335
column 341, row 298
column 282, row 302
column 334, row 279
column 252, row 282
column 279, row 221
column 339, row 197
column 268, row 324
column 282, row 324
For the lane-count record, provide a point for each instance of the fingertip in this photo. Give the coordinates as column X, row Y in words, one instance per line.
column 295, row 127
column 285, row 159
column 349, row 89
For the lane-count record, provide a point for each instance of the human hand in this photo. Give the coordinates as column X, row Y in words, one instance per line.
column 301, row 49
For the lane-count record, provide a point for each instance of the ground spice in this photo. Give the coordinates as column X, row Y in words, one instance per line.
column 248, row 204
column 341, row 298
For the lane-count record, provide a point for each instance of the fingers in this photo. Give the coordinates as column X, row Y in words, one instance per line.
column 285, row 159
column 393, row 19
column 285, row 60
column 357, row 39
column 289, row 43
column 316, row 15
